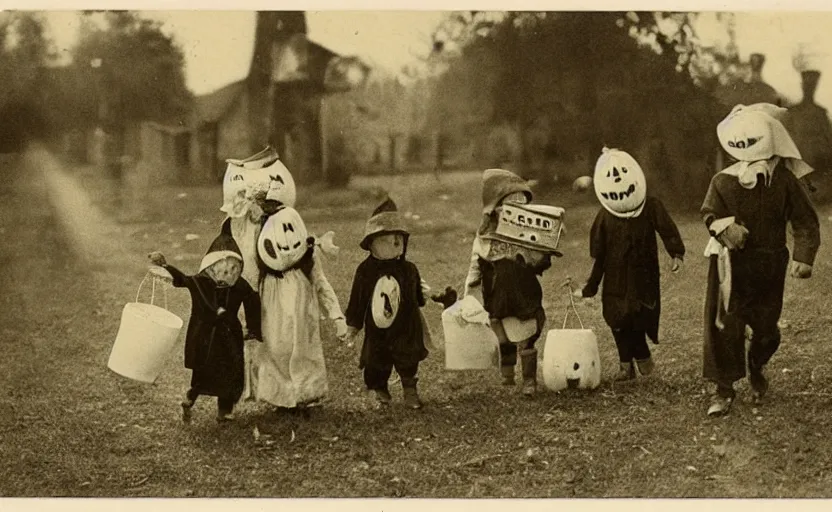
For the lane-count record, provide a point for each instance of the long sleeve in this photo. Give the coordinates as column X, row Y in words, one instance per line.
column 251, row 304
column 597, row 250
column 668, row 231
column 805, row 223
column 357, row 306
column 474, row 277
column 713, row 206
column 180, row 280
column 420, row 290
column 326, row 295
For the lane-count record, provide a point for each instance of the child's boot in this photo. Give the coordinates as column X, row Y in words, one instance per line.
column 758, row 382
column 411, row 396
column 528, row 361
column 187, row 408
column 383, row 396
column 224, row 409
column 225, row 415
column 626, row 371
column 722, row 400
column 645, row 366
column 508, row 375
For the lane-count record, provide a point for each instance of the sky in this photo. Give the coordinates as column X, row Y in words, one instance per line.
column 218, row 45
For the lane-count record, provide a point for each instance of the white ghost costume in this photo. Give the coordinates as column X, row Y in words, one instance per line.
column 296, row 295
column 246, row 183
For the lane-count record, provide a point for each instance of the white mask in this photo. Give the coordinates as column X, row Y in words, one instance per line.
column 283, row 239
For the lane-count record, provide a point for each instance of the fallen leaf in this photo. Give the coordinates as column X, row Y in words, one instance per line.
column 691, row 468
column 182, row 195
column 191, row 236
column 256, row 434
column 292, row 440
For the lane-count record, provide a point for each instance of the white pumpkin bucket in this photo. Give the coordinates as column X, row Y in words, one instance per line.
column 468, row 345
column 570, row 357
column 145, row 338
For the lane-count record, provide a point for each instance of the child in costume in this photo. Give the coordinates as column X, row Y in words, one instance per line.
column 214, row 340
column 291, row 371
column 247, row 186
column 507, row 276
column 747, row 211
column 622, row 242
column 385, row 300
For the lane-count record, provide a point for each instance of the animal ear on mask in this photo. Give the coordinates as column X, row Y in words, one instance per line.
column 310, row 240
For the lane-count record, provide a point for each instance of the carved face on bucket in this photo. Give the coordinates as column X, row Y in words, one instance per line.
column 283, row 239
column 619, row 182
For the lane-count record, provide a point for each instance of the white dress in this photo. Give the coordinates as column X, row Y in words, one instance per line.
column 245, row 231
column 290, row 368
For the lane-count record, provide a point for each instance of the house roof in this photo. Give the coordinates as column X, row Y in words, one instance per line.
column 211, row 107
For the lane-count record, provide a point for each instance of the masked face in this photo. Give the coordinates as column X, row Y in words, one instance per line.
column 281, row 184
column 388, row 246
column 619, row 183
column 747, row 134
column 283, row 239
column 225, row 272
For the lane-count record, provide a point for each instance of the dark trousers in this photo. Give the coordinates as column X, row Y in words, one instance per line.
column 631, row 344
column 377, row 374
column 225, row 404
column 758, row 280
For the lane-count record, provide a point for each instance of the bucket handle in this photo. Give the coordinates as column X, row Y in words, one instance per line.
column 568, row 285
column 153, row 278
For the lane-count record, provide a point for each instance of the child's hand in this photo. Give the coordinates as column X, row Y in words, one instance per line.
column 157, row 258
column 447, row 298
column 733, row 237
column 801, row 270
column 341, row 329
column 578, row 293
column 350, row 336
column 677, row 265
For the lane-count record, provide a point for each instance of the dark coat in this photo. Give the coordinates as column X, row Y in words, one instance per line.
column 403, row 341
column 626, row 258
column 759, row 269
column 214, row 339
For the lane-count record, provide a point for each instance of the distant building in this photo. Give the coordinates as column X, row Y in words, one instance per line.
column 278, row 103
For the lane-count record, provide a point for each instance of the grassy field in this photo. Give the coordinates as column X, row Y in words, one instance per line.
column 70, row 427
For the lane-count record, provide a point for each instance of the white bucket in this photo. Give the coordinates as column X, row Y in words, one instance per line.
column 571, row 358
column 145, row 338
column 468, row 346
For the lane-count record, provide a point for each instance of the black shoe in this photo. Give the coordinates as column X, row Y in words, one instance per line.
column 758, row 382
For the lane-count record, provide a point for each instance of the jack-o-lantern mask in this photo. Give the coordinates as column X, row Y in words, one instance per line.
column 748, row 132
column 619, row 183
column 281, row 184
column 387, row 296
column 260, row 177
column 387, row 246
column 283, row 239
